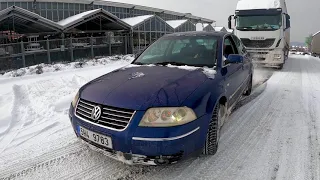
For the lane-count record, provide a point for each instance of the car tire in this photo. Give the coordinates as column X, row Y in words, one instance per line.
column 249, row 88
column 213, row 134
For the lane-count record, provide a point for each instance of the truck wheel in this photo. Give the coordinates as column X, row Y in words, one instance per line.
column 249, row 88
column 281, row 66
column 213, row 135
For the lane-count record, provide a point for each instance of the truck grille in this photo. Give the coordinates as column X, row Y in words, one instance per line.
column 258, row 43
column 111, row 117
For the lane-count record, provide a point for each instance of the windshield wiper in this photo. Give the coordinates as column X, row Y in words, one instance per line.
column 171, row 63
column 244, row 27
column 138, row 63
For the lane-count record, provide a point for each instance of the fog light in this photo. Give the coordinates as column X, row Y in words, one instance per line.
column 277, row 56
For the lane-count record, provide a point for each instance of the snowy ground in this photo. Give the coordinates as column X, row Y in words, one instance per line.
column 270, row 136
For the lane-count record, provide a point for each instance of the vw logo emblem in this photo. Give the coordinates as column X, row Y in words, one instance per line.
column 96, row 113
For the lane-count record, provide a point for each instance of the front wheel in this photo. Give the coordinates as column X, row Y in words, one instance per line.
column 213, row 134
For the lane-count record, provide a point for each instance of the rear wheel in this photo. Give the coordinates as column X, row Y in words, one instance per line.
column 280, row 66
column 213, row 134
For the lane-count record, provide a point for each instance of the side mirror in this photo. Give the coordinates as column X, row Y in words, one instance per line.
column 234, row 59
column 229, row 21
column 288, row 21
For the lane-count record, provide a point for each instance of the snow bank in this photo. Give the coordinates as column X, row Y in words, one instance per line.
column 258, row 4
column 44, row 68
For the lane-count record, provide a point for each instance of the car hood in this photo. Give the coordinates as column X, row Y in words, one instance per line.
column 139, row 88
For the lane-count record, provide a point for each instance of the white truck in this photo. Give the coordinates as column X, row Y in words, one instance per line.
column 264, row 28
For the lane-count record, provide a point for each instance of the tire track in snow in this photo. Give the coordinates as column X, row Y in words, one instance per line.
column 54, row 157
column 236, row 132
column 18, row 115
column 312, row 107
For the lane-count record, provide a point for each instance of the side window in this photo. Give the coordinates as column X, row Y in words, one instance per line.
column 229, row 47
column 240, row 46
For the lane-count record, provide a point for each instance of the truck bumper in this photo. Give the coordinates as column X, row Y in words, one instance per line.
column 268, row 58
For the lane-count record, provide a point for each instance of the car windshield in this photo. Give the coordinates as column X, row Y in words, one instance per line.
column 197, row 51
column 259, row 23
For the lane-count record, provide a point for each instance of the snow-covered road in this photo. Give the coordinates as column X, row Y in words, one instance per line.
column 273, row 136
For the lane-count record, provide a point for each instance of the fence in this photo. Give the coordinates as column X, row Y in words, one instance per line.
column 17, row 55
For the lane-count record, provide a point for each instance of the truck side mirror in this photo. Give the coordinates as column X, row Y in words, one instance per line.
column 288, row 21
column 229, row 21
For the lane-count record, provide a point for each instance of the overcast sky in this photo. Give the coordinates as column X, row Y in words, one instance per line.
column 305, row 14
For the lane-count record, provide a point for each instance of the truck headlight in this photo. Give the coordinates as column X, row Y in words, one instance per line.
column 75, row 100
column 278, row 56
column 167, row 117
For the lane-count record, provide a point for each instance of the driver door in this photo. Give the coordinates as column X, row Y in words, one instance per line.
column 233, row 76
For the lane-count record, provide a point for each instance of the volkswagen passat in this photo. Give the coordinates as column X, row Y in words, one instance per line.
column 169, row 103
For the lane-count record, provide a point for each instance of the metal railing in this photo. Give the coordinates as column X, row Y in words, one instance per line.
column 22, row 54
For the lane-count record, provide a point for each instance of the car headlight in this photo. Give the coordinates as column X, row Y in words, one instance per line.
column 277, row 56
column 75, row 100
column 167, row 117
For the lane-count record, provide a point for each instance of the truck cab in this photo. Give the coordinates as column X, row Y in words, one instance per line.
column 264, row 28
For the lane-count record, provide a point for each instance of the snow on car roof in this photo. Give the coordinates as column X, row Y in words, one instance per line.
column 258, row 4
column 136, row 20
column 176, row 23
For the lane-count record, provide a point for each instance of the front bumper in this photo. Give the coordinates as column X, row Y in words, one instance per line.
column 267, row 57
column 148, row 146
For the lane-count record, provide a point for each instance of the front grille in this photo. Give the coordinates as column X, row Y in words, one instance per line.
column 258, row 43
column 111, row 117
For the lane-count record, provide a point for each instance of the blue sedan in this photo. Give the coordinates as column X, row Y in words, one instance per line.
column 170, row 103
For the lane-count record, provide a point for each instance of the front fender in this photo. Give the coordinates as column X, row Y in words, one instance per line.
column 204, row 99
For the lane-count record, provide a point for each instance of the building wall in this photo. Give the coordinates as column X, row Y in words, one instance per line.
column 57, row 11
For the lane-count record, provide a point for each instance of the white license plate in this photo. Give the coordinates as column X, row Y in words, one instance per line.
column 95, row 137
column 259, row 56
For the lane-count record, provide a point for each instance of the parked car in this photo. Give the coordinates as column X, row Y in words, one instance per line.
column 169, row 103
column 293, row 51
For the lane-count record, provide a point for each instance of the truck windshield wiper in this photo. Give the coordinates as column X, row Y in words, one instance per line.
column 244, row 28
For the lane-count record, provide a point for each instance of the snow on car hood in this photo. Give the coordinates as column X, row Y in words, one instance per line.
column 142, row 87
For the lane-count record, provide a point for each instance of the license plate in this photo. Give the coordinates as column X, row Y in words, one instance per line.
column 259, row 56
column 95, row 137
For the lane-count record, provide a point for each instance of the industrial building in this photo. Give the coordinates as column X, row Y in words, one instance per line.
column 35, row 31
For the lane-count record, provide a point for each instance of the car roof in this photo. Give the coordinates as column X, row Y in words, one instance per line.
column 200, row 33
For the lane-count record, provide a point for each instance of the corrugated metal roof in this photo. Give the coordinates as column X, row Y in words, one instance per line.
column 125, row 5
column 176, row 23
column 133, row 21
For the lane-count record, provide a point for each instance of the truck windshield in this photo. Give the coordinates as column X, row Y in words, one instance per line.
column 199, row 51
column 259, row 23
